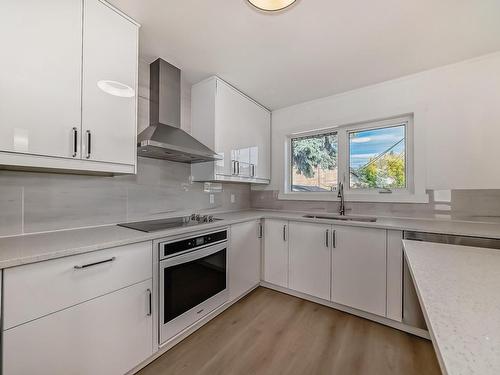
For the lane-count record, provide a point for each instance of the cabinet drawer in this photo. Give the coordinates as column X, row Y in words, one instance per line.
column 108, row 335
column 38, row 289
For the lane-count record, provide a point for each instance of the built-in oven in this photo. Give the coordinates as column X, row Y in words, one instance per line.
column 193, row 277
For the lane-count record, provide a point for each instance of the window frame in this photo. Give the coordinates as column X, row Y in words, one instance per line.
column 407, row 194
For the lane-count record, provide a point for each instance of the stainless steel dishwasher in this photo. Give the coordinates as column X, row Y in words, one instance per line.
column 412, row 312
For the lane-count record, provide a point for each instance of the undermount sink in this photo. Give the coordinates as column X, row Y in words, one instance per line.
column 343, row 218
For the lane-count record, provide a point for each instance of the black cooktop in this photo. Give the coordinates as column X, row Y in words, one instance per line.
column 163, row 224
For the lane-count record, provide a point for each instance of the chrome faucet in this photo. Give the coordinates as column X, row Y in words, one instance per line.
column 341, row 196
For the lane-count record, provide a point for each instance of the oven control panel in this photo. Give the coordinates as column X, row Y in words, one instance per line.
column 180, row 246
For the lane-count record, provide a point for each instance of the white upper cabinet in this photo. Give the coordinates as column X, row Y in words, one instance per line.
column 54, row 53
column 310, row 259
column 236, row 128
column 110, row 45
column 359, row 268
column 40, row 78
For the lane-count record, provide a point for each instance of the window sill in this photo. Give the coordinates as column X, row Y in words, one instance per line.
column 376, row 198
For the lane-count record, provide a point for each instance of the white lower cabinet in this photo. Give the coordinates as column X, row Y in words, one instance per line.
column 244, row 258
column 347, row 265
column 359, row 268
column 107, row 335
column 310, row 259
column 276, row 252
column 394, row 275
column 38, row 289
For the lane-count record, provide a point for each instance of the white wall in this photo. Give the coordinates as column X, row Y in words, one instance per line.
column 456, row 122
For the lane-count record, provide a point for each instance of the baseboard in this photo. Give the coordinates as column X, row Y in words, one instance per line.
column 363, row 314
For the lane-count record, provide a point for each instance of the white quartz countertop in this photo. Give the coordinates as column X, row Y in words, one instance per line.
column 458, row 288
column 29, row 248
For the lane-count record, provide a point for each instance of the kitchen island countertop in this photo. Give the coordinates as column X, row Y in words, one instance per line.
column 457, row 287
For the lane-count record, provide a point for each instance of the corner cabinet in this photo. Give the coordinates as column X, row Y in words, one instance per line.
column 68, row 94
column 236, row 127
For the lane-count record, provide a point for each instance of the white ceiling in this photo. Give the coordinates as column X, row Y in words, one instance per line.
column 315, row 48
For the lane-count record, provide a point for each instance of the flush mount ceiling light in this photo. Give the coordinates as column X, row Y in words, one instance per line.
column 116, row 88
column 271, row 5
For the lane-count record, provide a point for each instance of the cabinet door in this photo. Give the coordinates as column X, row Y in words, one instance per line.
column 244, row 258
column 40, row 78
column 260, row 149
column 227, row 127
column 394, row 275
column 251, row 137
column 310, row 259
column 110, row 60
column 276, row 252
column 242, row 157
column 359, row 268
column 107, row 335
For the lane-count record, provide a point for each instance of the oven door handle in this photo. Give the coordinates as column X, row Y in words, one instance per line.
column 193, row 255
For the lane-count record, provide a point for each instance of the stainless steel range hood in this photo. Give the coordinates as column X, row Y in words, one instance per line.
column 163, row 138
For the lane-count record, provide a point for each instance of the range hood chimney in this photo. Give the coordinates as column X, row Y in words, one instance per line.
column 163, row 138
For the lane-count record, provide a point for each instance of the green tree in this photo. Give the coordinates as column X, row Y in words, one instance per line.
column 310, row 152
column 387, row 171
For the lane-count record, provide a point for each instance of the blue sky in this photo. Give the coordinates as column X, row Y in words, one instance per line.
column 369, row 143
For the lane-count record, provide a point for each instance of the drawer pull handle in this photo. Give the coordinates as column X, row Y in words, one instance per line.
column 94, row 264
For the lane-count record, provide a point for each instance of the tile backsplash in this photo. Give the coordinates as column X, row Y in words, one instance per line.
column 36, row 202
column 470, row 205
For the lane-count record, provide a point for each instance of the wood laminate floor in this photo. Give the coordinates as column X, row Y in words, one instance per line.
column 268, row 332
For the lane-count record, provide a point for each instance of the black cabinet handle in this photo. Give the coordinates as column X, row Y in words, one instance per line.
column 89, row 144
column 94, row 264
column 75, row 141
column 150, row 304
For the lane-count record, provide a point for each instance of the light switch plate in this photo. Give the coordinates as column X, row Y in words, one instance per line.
column 233, row 198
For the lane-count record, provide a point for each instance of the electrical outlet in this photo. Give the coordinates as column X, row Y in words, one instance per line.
column 233, row 198
column 212, row 199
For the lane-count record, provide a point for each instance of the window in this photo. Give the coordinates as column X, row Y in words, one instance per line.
column 377, row 158
column 372, row 159
column 314, row 163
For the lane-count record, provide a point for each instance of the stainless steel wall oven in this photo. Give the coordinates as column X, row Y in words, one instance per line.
column 193, row 278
